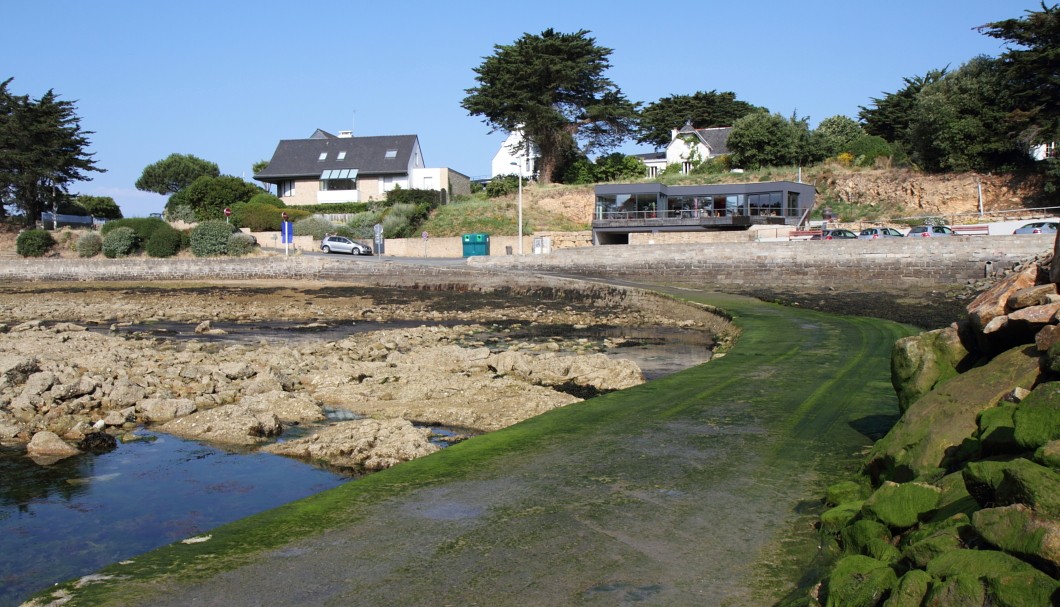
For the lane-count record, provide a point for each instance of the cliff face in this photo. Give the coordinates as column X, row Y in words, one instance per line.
column 922, row 193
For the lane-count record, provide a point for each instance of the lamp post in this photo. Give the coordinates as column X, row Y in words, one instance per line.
column 519, row 205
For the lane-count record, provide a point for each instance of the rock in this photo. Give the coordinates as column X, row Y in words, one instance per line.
column 1030, row 297
column 997, row 431
column 910, row 591
column 290, row 408
column 364, row 444
column 157, row 410
column 38, row 383
column 920, row 362
column 15, row 369
column 842, row 492
column 1019, row 481
column 861, row 537
column 119, row 417
column 1036, row 420
column 927, row 437
column 900, row 506
column 1040, row 315
column 1046, row 337
column 236, row 370
column 48, row 444
column 859, row 581
column 991, row 303
column 228, row 424
column 1049, row 454
column 98, row 442
column 202, row 327
column 1008, row 580
column 837, row 518
column 957, row 590
column 1020, row 531
column 996, row 324
column 125, row 394
column 1016, row 395
column 931, row 540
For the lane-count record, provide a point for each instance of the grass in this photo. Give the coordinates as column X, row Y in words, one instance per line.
column 496, row 216
column 685, row 486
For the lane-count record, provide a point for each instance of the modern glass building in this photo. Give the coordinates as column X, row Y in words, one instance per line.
column 654, row 207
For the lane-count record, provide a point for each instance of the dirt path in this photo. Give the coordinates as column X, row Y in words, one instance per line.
column 690, row 490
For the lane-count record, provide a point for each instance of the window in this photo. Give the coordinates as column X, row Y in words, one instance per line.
column 341, row 156
column 285, row 188
column 391, row 154
column 323, row 156
column 338, row 179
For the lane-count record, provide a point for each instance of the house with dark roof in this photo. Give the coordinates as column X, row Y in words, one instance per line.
column 327, row 168
column 688, row 147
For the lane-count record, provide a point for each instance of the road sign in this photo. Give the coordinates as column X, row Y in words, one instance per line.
column 284, row 215
column 228, row 212
column 425, row 234
column 287, row 232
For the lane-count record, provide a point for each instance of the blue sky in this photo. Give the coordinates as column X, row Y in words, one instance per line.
column 225, row 80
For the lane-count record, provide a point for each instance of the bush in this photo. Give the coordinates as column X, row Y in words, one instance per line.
column 266, row 198
column 257, row 216
column 89, row 245
column 120, row 242
column 210, row 238
column 502, row 185
column 316, row 227
column 868, row 148
column 34, row 243
column 240, row 244
column 180, row 212
column 165, row 242
column 144, row 227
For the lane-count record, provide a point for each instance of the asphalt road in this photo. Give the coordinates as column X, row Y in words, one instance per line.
column 696, row 489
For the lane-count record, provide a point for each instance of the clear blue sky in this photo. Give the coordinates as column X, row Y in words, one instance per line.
column 225, row 80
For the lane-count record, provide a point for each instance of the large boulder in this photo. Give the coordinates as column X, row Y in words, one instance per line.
column 921, row 546
column 1037, row 419
column 48, row 445
column 859, row 581
column 900, row 506
column 368, row 444
column 928, row 437
column 158, row 410
column 910, row 591
column 15, row 369
column 1008, row 580
column 920, row 362
column 1019, row 530
column 1019, row 481
column 993, row 302
column 997, row 431
column 228, row 424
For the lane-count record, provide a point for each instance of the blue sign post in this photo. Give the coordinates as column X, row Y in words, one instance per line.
column 287, row 235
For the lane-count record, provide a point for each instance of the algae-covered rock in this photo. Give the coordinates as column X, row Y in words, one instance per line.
column 835, row 519
column 940, row 421
column 1049, row 454
column 1019, row 481
column 911, row 590
column 956, row 591
column 955, row 498
column 901, row 506
column 1008, row 580
column 858, row 581
column 845, row 491
column 931, row 540
column 1036, row 420
column 920, row 362
column 857, row 535
column 1020, row 531
column 997, row 432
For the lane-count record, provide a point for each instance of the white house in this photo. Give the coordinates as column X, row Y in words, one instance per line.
column 515, row 150
column 688, row 147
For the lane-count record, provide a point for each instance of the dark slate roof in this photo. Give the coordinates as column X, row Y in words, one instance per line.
column 651, row 156
column 717, row 139
column 300, row 157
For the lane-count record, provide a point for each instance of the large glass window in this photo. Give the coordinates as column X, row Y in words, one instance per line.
column 285, row 188
column 329, row 185
column 793, row 204
column 768, row 203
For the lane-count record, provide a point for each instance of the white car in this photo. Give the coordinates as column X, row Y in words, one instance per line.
column 928, row 231
column 341, row 244
column 1038, row 227
column 871, row 233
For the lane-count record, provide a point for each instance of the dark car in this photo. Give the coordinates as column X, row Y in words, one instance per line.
column 341, row 244
column 838, row 234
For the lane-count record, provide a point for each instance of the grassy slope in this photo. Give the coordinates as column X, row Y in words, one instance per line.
column 681, row 491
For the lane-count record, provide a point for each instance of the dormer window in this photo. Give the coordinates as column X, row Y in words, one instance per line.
column 391, row 154
column 342, row 156
column 323, row 156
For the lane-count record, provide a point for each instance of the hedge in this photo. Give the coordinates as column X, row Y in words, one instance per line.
column 34, row 243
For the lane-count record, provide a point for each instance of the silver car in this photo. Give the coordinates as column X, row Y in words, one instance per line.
column 929, row 231
column 871, row 233
column 1038, row 227
column 341, row 244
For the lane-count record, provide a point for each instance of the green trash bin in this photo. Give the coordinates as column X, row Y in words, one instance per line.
column 476, row 244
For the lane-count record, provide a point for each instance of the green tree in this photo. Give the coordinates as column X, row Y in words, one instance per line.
column 762, row 139
column 552, row 87
column 101, row 207
column 837, row 133
column 208, row 196
column 618, row 167
column 890, row 115
column 174, row 173
column 701, row 109
column 42, row 152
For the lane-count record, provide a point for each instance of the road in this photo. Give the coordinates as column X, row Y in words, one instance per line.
column 696, row 489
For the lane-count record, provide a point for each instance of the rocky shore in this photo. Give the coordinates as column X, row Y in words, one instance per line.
column 72, row 367
column 959, row 504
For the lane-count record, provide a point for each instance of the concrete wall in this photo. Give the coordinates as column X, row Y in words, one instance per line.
column 866, row 264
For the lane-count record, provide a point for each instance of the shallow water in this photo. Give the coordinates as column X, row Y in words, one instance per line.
column 82, row 513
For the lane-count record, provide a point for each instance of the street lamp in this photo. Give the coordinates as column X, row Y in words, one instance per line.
column 519, row 205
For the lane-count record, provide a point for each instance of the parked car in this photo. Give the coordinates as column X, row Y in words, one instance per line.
column 928, row 231
column 341, row 244
column 1038, row 227
column 838, row 234
column 870, row 233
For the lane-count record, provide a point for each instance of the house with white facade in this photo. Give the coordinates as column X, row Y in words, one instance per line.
column 327, row 168
column 515, row 157
column 688, row 147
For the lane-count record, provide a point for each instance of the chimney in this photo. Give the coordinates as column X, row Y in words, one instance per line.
column 345, row 134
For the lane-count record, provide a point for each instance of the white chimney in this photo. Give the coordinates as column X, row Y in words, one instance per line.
column 345, row 134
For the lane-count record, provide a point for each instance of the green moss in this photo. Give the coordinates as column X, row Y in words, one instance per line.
column 997, row 432
column 1016, row 530
column 1049, row 454
column 1037, row 419
column 920, row 362
column 901, row 506
column 857, row 535
column 1008, row 579
column 1019, row 481
column 957, row 591
column 859, row 581
column 910, row 591
column 954, row 499
column 833, row 520
column 846, row 491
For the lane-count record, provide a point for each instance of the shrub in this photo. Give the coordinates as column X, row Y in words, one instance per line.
column 257, row 216
column 89, row 245
column 180, row 212
column 120, row 242
column 868, row 148
column 316, row 227
column 502, row 185
column 144, row 227
column 34, row 243
column 240, row 244
column 165, row 242
column 210, row 238
column 266, row 198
